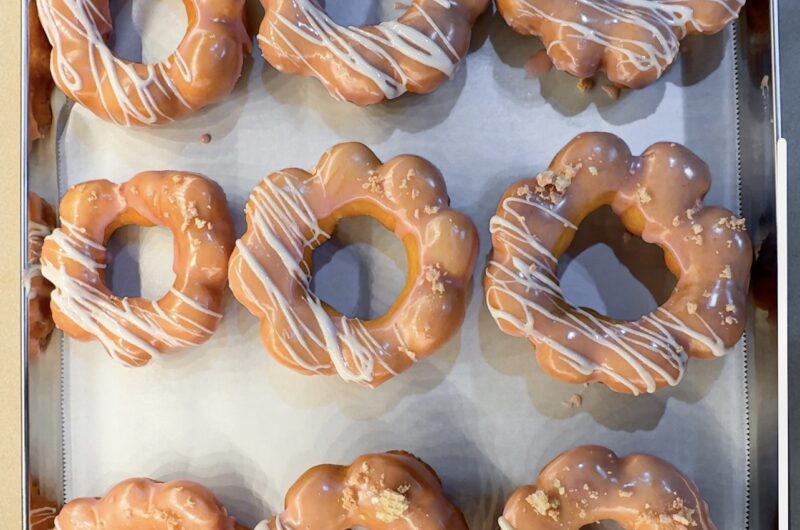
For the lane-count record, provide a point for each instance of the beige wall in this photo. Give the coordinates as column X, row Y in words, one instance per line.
column 10, row 442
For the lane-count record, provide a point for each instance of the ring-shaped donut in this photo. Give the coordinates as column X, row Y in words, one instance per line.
column 658, row 196
column 378, row 491
column 416, row 52
column 293, row 211
column 590, row 483
column 74, row 257
column 633, row 42
column 41, row 221
column 201, row 71
column 139, row 504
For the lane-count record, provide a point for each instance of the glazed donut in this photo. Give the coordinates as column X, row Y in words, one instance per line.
column 135, row 330
column 384, row 491
column 590, row 484
column 201, row 71
column 658, row 197
column 415, row 53
column 632, row 41
column 40, row 84
column 41, row 221
column 292, row 212
column 42, row 510
column 142, row 504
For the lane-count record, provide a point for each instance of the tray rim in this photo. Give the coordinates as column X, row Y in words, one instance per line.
column 14, row 374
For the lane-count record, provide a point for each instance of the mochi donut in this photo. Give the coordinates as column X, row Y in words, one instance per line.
column 659, row 197
column 590, row 483
column 201, row 71
column 142, row 504
column 632, row 41
column 416, row 52
column 74, row 257
column 292, row 212
column 384, row 491
column 42, row 510
column 41, row 221
column 40, row 83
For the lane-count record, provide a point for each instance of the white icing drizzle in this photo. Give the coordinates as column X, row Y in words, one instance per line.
column 36, row 234
column 129, row 90
column 263, row 525
column 504, row 524
column 341, row 41
column 273, row 213
column 531, row 274
column 96, row 312
column 664, row 22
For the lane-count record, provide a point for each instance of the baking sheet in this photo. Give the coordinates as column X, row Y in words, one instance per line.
column 480, row 411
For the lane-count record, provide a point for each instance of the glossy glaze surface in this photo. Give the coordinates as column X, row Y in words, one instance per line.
column 294, row 211
column 416, row 52
column 141, row 504
column 590, row 483
column 658, row 197
column 633, row 41
column 136, row 330
column 201, row 71
column 384, row 491
column 43, row 510
column 41, row 221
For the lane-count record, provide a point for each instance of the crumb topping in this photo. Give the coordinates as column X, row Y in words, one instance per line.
column 391, row 505
column 551, row 185
column 374, row 183
column 593, row 171
column 676, row 221
column 543, row 505
column 733, row 223
column 430, row 210
column 642, row 196
column 691, row 308
column 625, row 494
column 726, row 273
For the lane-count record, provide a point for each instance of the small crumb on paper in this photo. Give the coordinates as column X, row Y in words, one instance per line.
column 205, row 139
column 585, row 84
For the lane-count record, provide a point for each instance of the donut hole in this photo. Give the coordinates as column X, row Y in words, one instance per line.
column 136, row 266
column 147, row 31
column 363, row 12
column 361, row 270
column 613, row 272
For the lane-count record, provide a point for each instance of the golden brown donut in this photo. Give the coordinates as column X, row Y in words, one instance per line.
column 384, row 491
column 201, row 71
column 293, row 211
column 633, row 41
column 40, row 83
column 74, row 258
column 658, row 197
column 416, row 52
column 42, row 510
column 142, row 504
column 41, row 221
column 590, row 484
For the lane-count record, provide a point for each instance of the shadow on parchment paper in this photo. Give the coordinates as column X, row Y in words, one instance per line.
column 700, row 56
column 410, row 112
column 238, row 482
column 613, row 410
column 470, row 480
column 559, row 89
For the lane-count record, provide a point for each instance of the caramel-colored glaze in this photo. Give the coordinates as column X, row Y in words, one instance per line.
column 40, row 83
column 74, row 258
column 293, row 211
column 142, row 504
column 633, row 41
column 590, row 484
column 41, row 221
column 658, row 197
column 384, row 491
column 201, row 71
column 42, row 510
column 416, row 53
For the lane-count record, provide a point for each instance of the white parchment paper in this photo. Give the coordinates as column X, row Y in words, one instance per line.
column 480, row 411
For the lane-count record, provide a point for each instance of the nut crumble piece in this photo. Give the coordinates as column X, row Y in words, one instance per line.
column 392, row 506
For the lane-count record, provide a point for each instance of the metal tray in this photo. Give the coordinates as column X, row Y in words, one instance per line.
column 481, row 412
